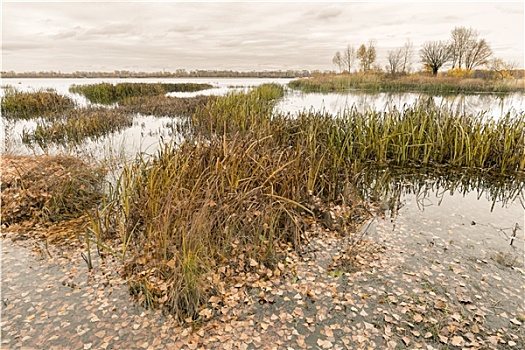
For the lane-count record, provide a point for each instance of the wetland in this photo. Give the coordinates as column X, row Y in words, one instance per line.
column 233, row 205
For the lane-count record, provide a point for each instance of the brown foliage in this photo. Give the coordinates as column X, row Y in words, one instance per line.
column 47, row 188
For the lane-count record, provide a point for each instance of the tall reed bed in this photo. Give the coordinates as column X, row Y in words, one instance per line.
column 232, row 194
column 27, row 105
column 239, row 111
column 376, row 82
column 246, row 180
column 106, row 93
column 75, row 126
column 425, row 135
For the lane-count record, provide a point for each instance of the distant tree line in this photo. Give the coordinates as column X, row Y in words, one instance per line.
column 465, row 52
column 179, row 73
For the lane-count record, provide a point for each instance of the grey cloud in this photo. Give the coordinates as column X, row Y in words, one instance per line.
column 186, row 28
column 113, row 29
column 150, row 35
column 65, row 35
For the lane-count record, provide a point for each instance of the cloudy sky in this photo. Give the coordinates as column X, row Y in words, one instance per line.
column 152, row 36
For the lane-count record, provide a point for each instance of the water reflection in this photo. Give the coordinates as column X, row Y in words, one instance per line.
column 388, row 187
column 144, row 136
column 492, row 105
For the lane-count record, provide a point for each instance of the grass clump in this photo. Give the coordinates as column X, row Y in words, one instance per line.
column 45, row 189
column 27, row 105
column 76, row 126
column 106, row 93
column 239, row 111
column 220, row 202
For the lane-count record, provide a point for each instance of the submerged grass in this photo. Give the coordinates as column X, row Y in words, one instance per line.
column 163, row 106
column 106, row 93
column 28, row 105
column 377, row 82
column 246, row 180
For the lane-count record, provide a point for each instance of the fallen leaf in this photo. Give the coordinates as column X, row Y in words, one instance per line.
column 329, row 333
column 493, row 340
column 368, row 326
column 515, row 322
column 457, row 341
column 325, row 344
column 440, row 305
column 298, row 312
column 474, row 328
column 406, row 340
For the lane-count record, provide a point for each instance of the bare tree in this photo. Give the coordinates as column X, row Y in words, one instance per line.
column 435, row 54
column 477, row 54
column 408, row 50
column 338, row 61
column 367, row 55
column 467, row 50
column 500, row 68
column 346, row 60
column 349, row 57
column 395, row 61
column 461, row 39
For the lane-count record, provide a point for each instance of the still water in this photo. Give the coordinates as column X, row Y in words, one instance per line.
column 146, row 131
column 478, row 212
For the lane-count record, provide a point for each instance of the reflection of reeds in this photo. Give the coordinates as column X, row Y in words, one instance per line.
column 76, row 126
column 27, row 105
column 372, row 82
column 106, row 93
column 386, row 185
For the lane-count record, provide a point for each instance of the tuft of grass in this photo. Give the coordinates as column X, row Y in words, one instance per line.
column 27, row 105
column 76, row 126
column 196, row 206
column 48, row 188
column 106, row 93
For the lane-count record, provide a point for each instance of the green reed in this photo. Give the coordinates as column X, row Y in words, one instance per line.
column 27, row 105
column 106, row 93
column 75, row 126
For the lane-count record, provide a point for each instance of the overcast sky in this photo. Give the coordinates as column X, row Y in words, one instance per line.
column 152, row 36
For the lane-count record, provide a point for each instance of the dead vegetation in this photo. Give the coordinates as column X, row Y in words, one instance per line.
column 42, row 191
